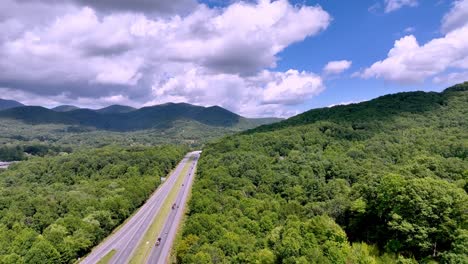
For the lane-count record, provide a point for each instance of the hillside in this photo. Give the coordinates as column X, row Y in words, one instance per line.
column 383, row 108
column 122, row 118
column 6, row 104
column 65, row 108
column 185, row 124
column 116, row 109
column 382, row 181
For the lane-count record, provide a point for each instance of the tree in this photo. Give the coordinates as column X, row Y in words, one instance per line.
column 42, row 252
column 416, row 215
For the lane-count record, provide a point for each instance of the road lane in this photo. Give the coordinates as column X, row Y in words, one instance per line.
column 127, row 238
column 161, row 253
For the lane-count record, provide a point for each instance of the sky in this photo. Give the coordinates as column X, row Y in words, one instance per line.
column 256, row 58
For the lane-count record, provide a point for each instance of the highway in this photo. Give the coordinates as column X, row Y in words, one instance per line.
column 161, row 253
column 125, row 240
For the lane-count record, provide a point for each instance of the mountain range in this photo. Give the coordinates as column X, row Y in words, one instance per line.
column 126, row 118
column 6, row 104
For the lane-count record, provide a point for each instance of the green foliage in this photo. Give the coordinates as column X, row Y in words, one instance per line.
column 55, row 209
column 22, row 151
column 42, row 252
column 378, row 182
column 418, row 216
column 14, row 133
column 11, row 153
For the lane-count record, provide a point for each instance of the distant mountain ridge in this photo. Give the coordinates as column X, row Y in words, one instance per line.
column 7, row 104
column 116, row 109
column 65, row 108
column 125, row 118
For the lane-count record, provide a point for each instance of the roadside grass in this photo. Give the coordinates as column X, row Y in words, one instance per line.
column 107, row 257
column 149, row 239
column 178, row 238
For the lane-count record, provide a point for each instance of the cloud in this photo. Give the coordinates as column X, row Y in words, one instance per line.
column 457, row 17
column 410, row 62
column 17, row 16
column 160, row 6
column 409, row 30
column 393, row 5
column 374, row 8
column 28, row 98
column 336, row 67
column 290, row 88
column 143, row 6
column 226, row 55
column 451, row 78
column 267, row 92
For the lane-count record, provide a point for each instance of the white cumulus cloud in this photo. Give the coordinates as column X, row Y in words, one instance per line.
column 393, row 5
column 456, row 17
column 451, row 78
column 410, row 62
column 225, row 56
column 266, row 93
column 336, row 67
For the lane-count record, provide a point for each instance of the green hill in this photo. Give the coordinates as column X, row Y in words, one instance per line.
column 122, row 118
column 382, row 181
column 383, row 108
column 116, row 109
column 65, row 108
column 6, row 104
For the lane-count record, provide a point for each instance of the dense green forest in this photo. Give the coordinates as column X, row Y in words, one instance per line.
column 15, row 133
column 20, row 152
column 55, row 209
column 384, row 181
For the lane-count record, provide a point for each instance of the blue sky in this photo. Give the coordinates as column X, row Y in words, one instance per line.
column 362, row 32
column 363, row 37
column 254, row 57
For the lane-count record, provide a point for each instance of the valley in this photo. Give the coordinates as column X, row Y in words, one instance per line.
column 240, row 131
column 382, row 181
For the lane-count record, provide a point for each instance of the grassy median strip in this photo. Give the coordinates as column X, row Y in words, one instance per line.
column 149, row 239
column 107, row 257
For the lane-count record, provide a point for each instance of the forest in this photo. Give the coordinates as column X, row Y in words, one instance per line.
column 384, row 181
column 54, row 209
column 14, row 133
column 20, row 152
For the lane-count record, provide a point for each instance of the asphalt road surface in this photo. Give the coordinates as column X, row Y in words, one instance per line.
column 161, row 253
column 128, row 237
